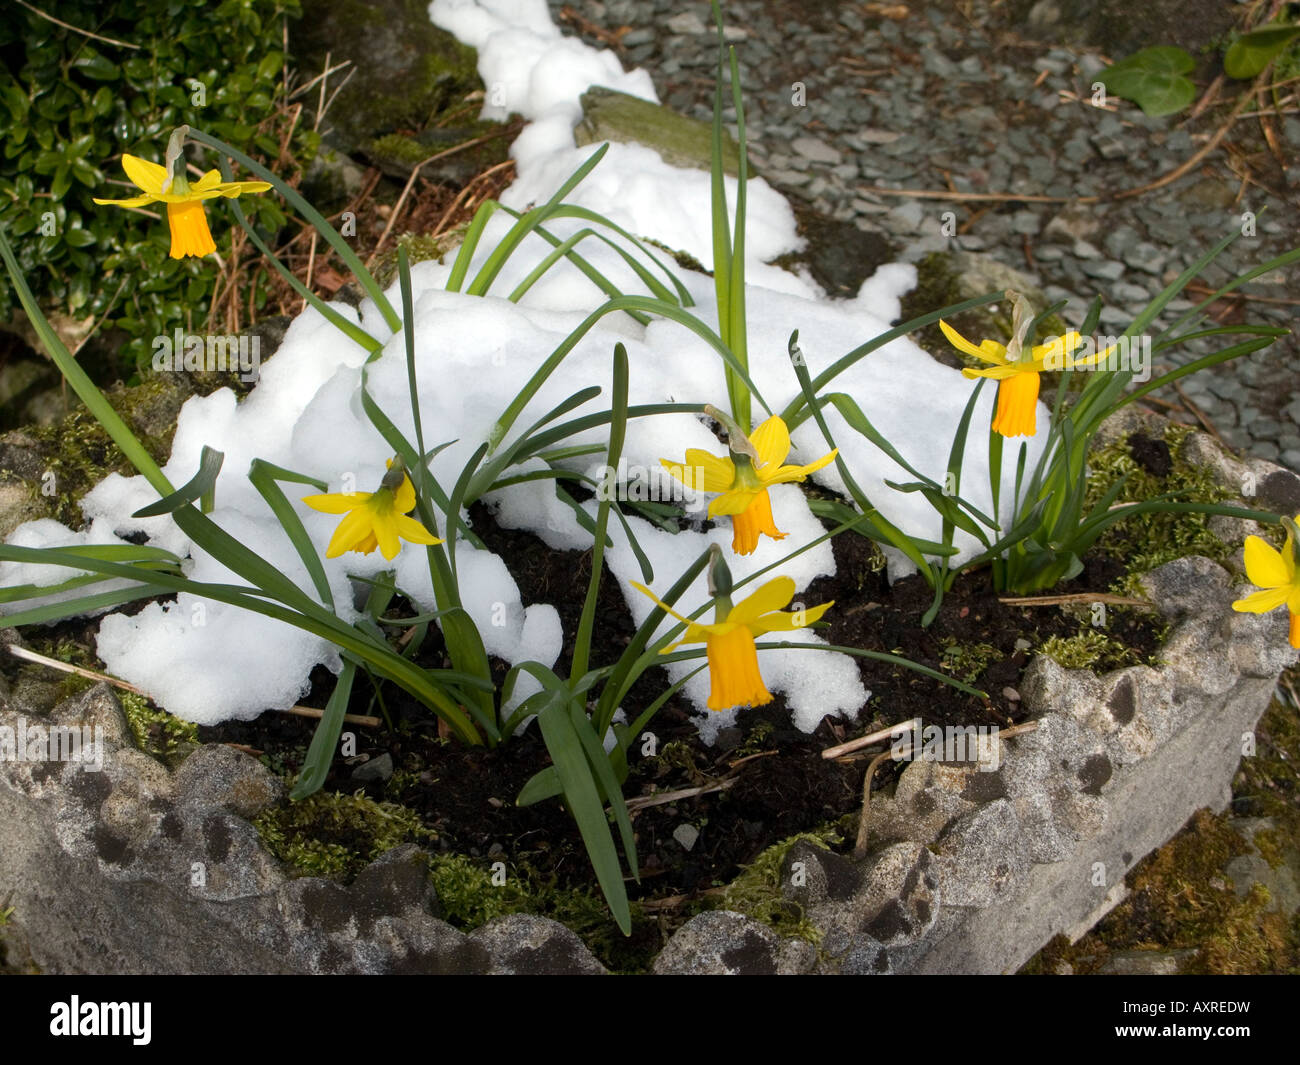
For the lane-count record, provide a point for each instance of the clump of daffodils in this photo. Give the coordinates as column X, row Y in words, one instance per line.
column 754, row 463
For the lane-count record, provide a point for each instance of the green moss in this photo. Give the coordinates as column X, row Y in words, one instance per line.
column 968, row 661
column 756, row 892
column 331, row 834
column 1150, row 540
column 1089, row 649
column 79, row 453
column 469, row 896
column 418, row 249
column 1270, row 848
column 684, row 259
column 1269, row 780
column 756, row 740
column 156, row 732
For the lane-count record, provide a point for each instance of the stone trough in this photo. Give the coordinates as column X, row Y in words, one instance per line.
column 140, row 869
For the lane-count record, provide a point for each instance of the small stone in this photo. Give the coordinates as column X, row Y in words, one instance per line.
column 1106, row 270
column 376, row 769
column 1085, row 250
column 687, row 23
column 686, row 835
column 816, row 151
column 1108, row 147
column 1011, row 695
column 1026, row 222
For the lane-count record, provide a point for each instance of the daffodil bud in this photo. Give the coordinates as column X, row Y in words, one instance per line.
column 394, row 475
column 174, row 163
column 719, row 575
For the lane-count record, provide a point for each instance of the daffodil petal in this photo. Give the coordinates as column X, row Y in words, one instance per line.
column 660, row 603
column 404, row 498
column 210, row 180
column 734, row 502
column 782, row 621
column 1265, row 565
column 775, row 594
column 1064, row 345
column 413, row 532
column 786, row 474
column 351, row 531
column 144, row 174
column 385, row 526
column 336, row 502
column 1262, row 602
column 133, row 201
column 772, row 442
column 993, row 352
column 996, row 373
column 231, row 189
column 716, row 474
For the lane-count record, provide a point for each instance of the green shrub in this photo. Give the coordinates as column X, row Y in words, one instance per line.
column 71, row 105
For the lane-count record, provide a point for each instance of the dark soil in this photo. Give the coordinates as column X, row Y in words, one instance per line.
column 762, row 782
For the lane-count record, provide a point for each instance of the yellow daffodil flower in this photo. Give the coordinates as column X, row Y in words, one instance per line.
column 743, row 481
column 1274, row 573
column 729, row 641
column 1018, row 378
column 374, row 519
column 185, row 217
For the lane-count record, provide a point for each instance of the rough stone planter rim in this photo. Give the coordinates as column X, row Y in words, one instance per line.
column 970, row 871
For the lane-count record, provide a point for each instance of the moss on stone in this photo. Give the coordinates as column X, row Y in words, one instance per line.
column 757, row 893
column 1089, row 649
column 335, row 835
column 469, row 895
column 390, row 43
column 418, row 249
column 1146, row 541
column 156, row 732
column 79, row 453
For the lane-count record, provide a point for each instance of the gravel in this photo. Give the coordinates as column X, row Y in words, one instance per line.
column 941, row 100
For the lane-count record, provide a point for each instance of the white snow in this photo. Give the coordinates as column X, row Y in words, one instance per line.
column 208, row 662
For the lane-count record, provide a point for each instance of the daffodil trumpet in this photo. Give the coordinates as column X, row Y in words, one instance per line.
column 1275, row 574
column 168, row 184
column 754, row 463
column 374, row 519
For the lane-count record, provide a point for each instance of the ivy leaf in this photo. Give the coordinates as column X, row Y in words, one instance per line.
column 1252, row 52
column 1154, row 79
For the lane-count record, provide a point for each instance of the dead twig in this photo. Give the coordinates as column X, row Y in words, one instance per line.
column 868, row 740
column 90, row 674
column 662, row 798
column 77, row 29
column 1075, row 597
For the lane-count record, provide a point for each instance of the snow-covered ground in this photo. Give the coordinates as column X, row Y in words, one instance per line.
column 208, row 662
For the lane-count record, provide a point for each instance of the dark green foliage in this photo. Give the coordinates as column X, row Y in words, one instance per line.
column 70, row 106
